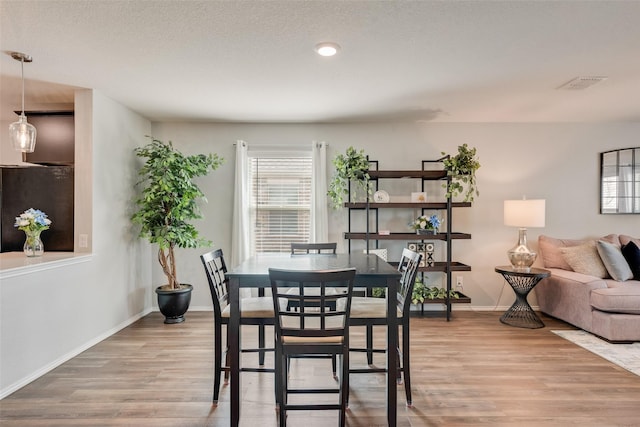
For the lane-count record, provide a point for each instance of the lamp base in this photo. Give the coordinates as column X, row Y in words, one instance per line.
column 520, row 256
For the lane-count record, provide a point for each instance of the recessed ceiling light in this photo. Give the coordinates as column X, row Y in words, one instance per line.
column 327, row 48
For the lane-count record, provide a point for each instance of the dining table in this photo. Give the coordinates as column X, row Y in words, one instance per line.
column 371, row 272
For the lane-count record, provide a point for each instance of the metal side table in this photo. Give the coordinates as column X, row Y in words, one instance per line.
column 521, row 314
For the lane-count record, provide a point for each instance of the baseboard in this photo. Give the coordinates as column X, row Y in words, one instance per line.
column 465, row 307
column 70, row 355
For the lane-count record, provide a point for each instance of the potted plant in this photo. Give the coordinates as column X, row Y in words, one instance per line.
column 426, row 224
column 422, row 293
column 419, row 290
column 350, row 167
column 166, row 205
column 462, row 169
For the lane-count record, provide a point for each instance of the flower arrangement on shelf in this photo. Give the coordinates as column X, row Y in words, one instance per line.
column 426, row 223
column 33, row 222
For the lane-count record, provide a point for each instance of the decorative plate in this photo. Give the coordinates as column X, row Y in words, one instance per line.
column 381, row 196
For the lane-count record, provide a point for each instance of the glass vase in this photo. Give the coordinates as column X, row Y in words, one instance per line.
column 424, row 231
column 33, row 246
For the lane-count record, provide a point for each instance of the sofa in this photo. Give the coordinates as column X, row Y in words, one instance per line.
column 594, row 284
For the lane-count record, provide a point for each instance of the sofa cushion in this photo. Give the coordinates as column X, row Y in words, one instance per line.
column 550, row 251
column 623, row 299
column 631, row 253
column 624, row 239
column 585, row 259
column 614, row 261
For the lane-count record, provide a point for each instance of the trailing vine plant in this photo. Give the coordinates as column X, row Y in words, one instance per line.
column 462, row 169
column 353, row 166
column 422, row 293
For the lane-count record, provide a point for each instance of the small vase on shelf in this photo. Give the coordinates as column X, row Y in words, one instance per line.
column 424, row 231
column 33, row 246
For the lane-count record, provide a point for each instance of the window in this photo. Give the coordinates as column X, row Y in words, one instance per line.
column 280, row 200
column 620, row 181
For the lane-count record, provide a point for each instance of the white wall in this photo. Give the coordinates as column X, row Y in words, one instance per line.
column 49, row 316
column 557, row 162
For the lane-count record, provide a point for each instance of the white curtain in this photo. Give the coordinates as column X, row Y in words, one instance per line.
column 319, row 211
column 240, row 241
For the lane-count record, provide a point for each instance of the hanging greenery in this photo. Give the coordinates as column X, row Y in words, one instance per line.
column 350, row 167
column 462, row 169
column 422, row 293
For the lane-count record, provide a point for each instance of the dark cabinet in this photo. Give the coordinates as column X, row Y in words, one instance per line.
column 48, row 188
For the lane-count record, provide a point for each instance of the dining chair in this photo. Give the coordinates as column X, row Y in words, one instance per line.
column 316, row 249
column 370, row 311
column 311, row 329
column 313, row 248
column 253, row 311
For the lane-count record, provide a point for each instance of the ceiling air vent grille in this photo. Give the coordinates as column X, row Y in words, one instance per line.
column 580, row 83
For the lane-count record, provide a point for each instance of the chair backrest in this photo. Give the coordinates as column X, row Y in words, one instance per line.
column 408, row 267
column 216, row 270
column 313, row 248
column 307, row 314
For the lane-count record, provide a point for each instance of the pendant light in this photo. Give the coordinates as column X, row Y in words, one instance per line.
column 22, row 133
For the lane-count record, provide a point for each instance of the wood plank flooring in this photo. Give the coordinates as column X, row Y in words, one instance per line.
column 471, row 371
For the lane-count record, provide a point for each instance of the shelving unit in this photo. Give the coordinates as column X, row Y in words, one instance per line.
column 372, row 209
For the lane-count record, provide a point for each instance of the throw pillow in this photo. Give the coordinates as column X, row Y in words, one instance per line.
column 549, row 248
column 585, row 259
column 614, row 261
column 614, row 239
column 624, row 239
column 631, row 253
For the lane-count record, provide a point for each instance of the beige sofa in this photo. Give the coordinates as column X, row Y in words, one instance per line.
column 594, row 284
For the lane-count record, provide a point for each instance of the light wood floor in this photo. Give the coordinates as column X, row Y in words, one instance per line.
column 470, row 371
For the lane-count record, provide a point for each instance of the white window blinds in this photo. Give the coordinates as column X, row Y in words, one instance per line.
column 280, row 201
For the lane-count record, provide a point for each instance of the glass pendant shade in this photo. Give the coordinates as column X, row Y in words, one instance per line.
column 23, row 135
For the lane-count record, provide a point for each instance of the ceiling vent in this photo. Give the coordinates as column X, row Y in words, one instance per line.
column 580, row 83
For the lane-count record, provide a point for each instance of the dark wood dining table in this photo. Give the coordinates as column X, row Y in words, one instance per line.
column 371, row 271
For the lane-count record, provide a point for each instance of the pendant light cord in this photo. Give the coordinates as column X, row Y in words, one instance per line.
column 22, row 66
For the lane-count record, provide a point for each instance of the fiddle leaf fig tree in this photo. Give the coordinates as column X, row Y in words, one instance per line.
column 353, row 166
column 169, row 200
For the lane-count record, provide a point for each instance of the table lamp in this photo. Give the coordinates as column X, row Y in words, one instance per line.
column 522, row 214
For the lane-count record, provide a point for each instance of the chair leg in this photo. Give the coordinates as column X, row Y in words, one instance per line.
column 369, row 344
column 334, row 366
column 405, row 361
column 344, row 386
column 261, row 344
column 284, row 387
column 227, row 359
column 277, row 378
column 217, row 360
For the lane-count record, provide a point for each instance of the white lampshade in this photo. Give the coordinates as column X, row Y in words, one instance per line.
column 524, row 213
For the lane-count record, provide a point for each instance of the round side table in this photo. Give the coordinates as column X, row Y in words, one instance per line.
column 521, row 314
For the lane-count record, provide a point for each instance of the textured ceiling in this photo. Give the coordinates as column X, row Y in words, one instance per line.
column 253, row 61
